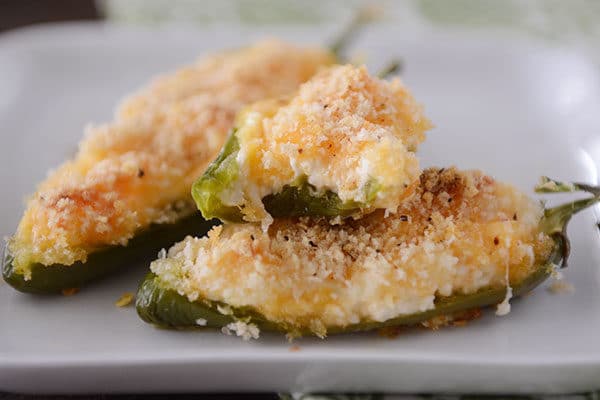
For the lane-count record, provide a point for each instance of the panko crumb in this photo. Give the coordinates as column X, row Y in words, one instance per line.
column 459, row 319
column 457, row 234
column 70, row 291
column 137, row 169
column 391, row 332
column 344, row 130
column 125, row 299
column 224, row 309
column 561, row 287
column 244, row 330
column 201, row 322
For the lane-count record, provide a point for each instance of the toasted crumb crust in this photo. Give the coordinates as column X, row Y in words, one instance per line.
column 125, row 299
column 459, row 319
column 344, row 131
column 138, row 169
column 460, row 232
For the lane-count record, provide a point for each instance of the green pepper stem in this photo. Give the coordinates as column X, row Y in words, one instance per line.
column 5, row 254
column 392, row 68
column 363, row 16
column 556, row 219
column 548, row 185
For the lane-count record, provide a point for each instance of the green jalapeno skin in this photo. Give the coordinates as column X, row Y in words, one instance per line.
column 168, row 309
column 48, row 279
column 295, row 200
column 164, row 307
column 221, row 173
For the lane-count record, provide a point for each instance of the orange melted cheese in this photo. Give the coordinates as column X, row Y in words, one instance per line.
column 138, row 169
column 344, row 131
column 459, row 233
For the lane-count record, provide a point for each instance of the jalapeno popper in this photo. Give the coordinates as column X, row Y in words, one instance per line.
column 461, row 242
column 343, row 145
column 126, row 192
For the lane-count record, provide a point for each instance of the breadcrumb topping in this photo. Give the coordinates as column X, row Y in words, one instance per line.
column 559, row 285
column 344, row 131
column 460, row 232
column 244, row 330
column 138, row 169
column 125, row 299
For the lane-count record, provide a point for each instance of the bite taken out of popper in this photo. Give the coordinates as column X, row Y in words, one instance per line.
column 463, row 241
column 125, row 194
column 343, row 145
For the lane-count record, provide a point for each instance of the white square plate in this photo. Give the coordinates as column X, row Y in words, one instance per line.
column 515, row 110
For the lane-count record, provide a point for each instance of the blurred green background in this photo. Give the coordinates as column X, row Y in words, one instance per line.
column 572, row 22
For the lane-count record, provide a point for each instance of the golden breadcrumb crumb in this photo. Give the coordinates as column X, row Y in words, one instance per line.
column 561, row 287
column 138, row 169
column 242, row 329
column 459, row 319
column 460, row 232
column 125, row 299
column 344, row 131
column 392, row 332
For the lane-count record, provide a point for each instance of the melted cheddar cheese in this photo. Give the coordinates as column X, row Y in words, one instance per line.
column 460, row 232
column 138, row 169
column 344, row 131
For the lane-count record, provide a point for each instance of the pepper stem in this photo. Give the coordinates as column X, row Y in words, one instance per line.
column 363, row 16
column 392, row 68
column 556, row 219
column 548, row 185
column 4, row 255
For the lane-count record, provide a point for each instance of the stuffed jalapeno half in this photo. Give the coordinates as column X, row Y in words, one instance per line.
column 126, row 192
column 343, row 145
column 461, row 242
